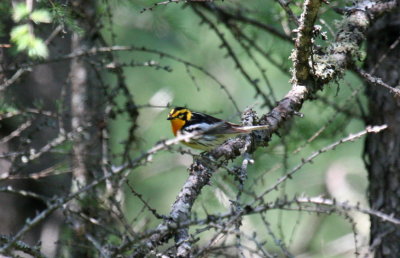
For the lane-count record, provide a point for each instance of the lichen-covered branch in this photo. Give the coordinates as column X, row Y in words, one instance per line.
column 304, row 41
column 200, row 174
column 341, row 53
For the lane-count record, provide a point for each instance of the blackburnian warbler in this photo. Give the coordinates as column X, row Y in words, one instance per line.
column 209, row 131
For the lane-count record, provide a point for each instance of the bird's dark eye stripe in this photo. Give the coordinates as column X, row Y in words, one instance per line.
column 182, row 116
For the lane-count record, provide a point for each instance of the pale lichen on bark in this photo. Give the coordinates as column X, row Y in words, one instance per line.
column 303, row 43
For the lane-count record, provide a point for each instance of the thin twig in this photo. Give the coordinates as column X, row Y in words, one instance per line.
column 14, row 78
column 351, row 137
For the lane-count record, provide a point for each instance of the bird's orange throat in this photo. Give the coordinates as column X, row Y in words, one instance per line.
column 176, row 125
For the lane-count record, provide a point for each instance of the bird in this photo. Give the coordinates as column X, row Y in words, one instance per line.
column 209, row 132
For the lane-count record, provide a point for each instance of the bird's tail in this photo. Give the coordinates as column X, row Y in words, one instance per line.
column 248, row 129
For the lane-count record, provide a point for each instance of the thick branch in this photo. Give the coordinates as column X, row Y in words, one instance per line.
column 199, row 177
column 345, row 49
column 303, row 44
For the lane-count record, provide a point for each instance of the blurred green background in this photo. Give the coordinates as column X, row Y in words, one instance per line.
column 175, row 29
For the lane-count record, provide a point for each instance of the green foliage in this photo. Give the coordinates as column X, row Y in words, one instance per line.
column 62, row 15
column 7, row 108
column 20, row 12
column 23, row 35
column 26, row 41
column 40, row 16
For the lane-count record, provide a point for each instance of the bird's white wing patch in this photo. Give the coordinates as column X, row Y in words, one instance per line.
column 198, row 127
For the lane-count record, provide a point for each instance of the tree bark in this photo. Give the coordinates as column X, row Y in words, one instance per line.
column 382, row 151
column 86, row 114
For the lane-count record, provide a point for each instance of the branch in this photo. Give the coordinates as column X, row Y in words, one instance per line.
column 340, row 54
column 169, row 2
column 199, row 177
column 23, row 247
column 346, row 206
column 105, row 50
column 231, row 53
column 351, row 137
column 287, row 204
column 303, row 44
column 10, row 189
column 289, row 12
column 13, row 78
column 17, row 132
column 373, row 80
column 238, row 16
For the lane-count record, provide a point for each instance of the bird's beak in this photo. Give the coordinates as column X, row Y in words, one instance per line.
column 170, row 118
